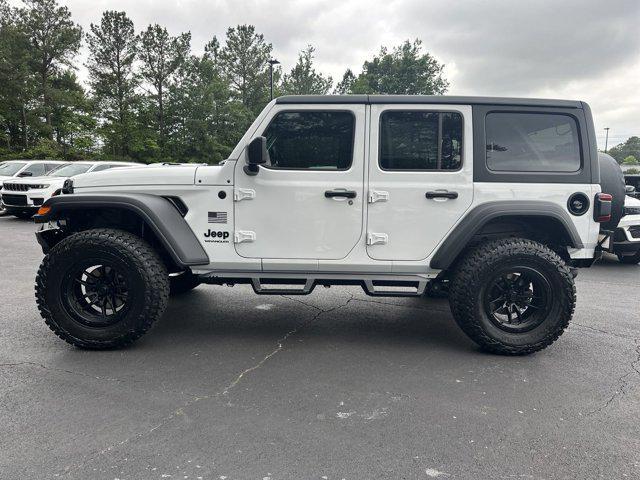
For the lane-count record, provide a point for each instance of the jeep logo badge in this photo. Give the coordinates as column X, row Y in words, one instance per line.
column 213, row 234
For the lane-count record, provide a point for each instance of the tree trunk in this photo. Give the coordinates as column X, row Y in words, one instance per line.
column 45, row 104
column 25, row 135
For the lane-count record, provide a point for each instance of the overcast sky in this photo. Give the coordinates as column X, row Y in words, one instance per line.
column 581, row 49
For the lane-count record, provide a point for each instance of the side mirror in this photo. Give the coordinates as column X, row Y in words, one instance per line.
column 629, row 189
column 25, row 174
column 257, row 154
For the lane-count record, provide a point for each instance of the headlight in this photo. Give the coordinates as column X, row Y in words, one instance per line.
column 632, row 210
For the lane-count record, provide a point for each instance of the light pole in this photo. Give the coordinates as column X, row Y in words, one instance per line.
column 606, row 140
column 272, row 62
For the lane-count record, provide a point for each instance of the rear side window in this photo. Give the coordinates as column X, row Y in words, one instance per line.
column 532, row 142
column 99, row 168
column 311, row 140
column 420, row 140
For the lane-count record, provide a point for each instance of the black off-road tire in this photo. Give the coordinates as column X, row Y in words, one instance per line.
column 144, row 270
column 469, row 285
column 183, row 283
column 629, row 259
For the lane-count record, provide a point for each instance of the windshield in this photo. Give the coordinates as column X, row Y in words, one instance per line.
column 70, row 170
column 9, row 169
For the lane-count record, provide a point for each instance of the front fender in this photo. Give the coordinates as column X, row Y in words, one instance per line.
column 158, row 213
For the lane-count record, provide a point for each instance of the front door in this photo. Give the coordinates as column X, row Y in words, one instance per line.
column 308, row 203
column 420, row 178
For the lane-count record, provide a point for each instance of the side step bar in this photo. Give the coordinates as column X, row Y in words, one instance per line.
column 399, row 286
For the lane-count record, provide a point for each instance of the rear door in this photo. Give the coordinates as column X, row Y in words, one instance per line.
column 308, row 203
column 420, row 177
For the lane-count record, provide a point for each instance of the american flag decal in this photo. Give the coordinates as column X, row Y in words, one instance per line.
column 217, row 217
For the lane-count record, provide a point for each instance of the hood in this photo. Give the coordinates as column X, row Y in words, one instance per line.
column 143, row 175
column 37, row 180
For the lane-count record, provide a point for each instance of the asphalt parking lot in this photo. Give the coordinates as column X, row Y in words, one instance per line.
column 335, row 385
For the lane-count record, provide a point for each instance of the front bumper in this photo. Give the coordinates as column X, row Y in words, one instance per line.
column 48, row 237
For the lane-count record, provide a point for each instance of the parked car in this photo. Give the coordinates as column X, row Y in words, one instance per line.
column 633, row 181
column 625, row 242
column 24, row 168
column 23, row 197
column 621, row 234
column 498, row 196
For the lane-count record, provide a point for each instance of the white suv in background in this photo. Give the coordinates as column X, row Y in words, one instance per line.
column 23, row 197
column 25, row 168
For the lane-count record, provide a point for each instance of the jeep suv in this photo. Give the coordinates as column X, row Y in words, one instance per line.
column 25, row 195
column 499, row 198
column 23, row 168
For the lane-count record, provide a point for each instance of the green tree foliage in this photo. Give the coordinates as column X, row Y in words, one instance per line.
column 304, row 79
column 345, row 85
column 148, row 97
column 631, row 147
column 161, row 56
column 404, row 71
column 244, row 59
column 54, row 41
column 112, row 51
column 17, row 88
column 630, row 160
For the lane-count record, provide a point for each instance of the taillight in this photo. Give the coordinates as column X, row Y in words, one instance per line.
column 602, row 208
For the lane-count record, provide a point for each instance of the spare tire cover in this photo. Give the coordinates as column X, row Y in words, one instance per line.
column 612, row 182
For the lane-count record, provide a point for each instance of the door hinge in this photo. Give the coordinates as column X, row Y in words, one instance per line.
column 243, row 194
column 243, row 236
column 378, row 196
column 377, row 238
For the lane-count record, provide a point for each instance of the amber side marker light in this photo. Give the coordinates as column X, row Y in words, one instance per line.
column 44, row 210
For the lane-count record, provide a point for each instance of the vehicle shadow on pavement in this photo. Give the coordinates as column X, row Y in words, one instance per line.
column 207, row 314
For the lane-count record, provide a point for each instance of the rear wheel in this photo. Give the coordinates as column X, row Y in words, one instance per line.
column 101, row 288
column 512, row 296
column 629, row 259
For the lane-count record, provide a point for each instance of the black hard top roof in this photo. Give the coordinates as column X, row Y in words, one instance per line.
column 431, row 99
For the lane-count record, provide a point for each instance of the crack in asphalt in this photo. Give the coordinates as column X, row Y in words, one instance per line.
column 623, row 381
column 606, row 332
column 180, row 411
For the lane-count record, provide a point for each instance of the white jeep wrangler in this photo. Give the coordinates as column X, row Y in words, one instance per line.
column 497, row 198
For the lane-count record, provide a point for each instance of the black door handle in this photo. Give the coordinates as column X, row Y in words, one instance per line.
column 340, row 194
column 442, row 194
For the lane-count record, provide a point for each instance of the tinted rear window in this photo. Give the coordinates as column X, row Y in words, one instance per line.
column 532, row 142
column 420, row 140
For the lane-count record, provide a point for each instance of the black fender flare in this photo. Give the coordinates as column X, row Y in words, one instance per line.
column 479, row 216
column 158, row 213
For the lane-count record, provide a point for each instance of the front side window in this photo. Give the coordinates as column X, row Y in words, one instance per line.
column 532, row 142
column 420, row 140
column 312, row 140
column 35, row 169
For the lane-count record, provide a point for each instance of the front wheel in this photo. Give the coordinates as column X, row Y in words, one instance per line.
column 101, row 288
column 512, row 296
